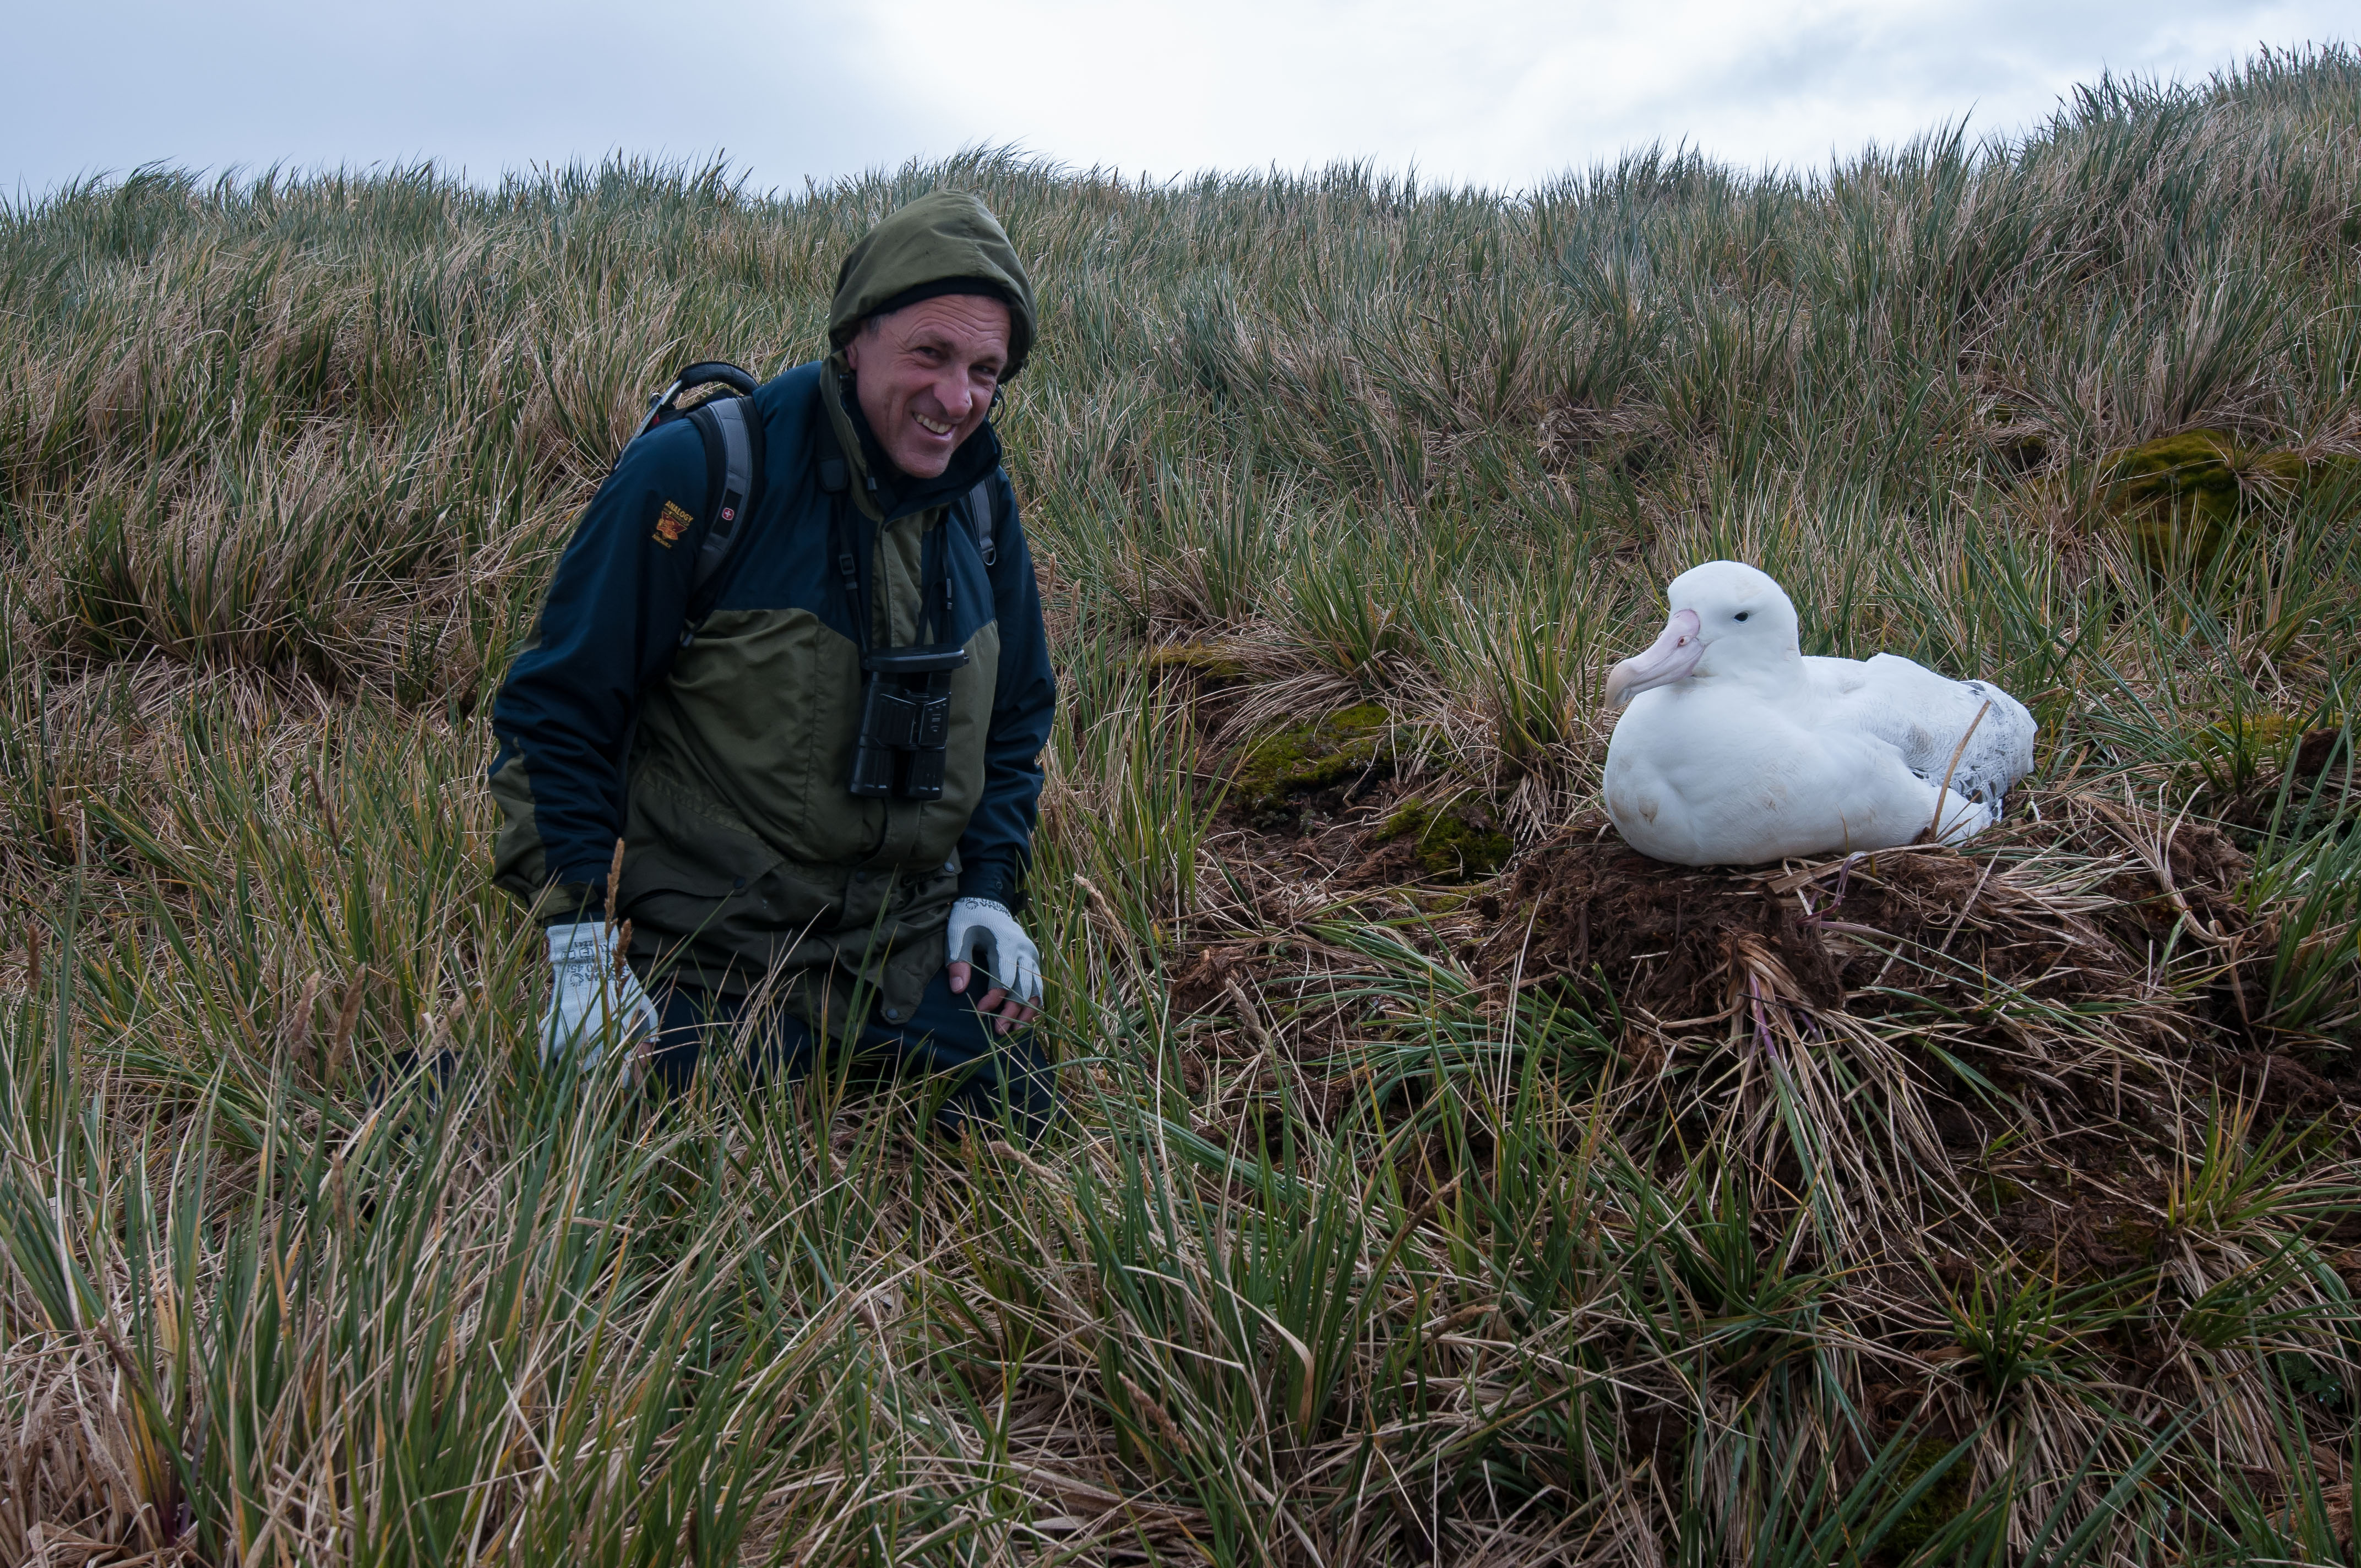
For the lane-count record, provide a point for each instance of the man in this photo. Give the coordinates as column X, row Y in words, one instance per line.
column 716, row 731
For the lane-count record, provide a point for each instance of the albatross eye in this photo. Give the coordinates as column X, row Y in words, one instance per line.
column 1744, row 613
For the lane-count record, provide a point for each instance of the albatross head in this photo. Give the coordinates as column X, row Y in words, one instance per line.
column 1728, row 619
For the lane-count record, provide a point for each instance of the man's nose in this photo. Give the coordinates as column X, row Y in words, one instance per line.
column 952, row 391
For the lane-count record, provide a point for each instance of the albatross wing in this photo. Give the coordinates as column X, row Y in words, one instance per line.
column 1924, row 716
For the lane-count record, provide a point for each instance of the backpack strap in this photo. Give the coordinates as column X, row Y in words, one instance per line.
column 691, row 376
column 980, row 519
column 731, row 461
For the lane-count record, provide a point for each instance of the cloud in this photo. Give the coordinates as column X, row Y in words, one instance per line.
column 482, row 87
column 1509, row 92
column 1500, row 92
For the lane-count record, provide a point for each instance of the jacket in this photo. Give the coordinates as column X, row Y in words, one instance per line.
column 716, row 741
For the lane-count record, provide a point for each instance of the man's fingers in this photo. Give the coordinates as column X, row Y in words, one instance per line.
column 1008, row 1006
column 1012, row 1013
column 1005, row 1009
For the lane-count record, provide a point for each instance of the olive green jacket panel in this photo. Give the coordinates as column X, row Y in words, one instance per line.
column 780, row 765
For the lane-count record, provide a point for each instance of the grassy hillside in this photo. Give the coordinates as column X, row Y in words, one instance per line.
column 1442, row 1183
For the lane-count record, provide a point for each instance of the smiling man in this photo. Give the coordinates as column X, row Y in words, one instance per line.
column 824, row 762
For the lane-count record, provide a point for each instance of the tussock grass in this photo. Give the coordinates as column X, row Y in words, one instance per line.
column 1381, row 1229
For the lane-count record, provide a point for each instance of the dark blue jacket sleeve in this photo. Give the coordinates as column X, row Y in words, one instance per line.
column 998, row 844
column 609, row 626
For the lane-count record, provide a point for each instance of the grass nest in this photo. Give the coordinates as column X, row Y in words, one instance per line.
column 2075, row 989
column 2018, row 920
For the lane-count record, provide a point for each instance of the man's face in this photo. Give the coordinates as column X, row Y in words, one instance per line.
column 926, row 375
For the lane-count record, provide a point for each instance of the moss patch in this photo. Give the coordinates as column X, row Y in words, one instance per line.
column 2264, row 731
column 1446, row 846
column 2182, row 497
column 1197, row 658
column 1942, row 1502
column 2234, row 751
column 1278, row 771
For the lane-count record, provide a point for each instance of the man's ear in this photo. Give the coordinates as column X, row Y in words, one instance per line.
column 853, row 352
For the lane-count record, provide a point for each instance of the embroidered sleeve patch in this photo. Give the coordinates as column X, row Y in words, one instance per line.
column 670, row 523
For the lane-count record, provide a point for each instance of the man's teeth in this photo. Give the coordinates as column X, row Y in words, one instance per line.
column 930, row 424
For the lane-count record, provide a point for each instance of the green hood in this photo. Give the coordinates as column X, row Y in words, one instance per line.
column 945, row 234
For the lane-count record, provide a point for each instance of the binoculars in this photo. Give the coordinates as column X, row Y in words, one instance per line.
column 906, row 720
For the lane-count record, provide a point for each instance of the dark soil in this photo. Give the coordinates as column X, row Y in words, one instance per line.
column 1207, row 977
column 2207, row 871
column 2090, row 1238
column 2281, row 1088
column 1658, row 937
column 1868, row 934
column 2318, row 749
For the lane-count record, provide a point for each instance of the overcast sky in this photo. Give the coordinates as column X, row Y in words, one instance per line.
column 1503, row 92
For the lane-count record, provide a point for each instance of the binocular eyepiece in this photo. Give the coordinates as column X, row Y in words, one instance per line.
column 906, row 721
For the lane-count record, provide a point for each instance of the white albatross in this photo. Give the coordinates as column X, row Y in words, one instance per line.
column 1735, row 748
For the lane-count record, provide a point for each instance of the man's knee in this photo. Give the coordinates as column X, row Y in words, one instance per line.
column 999, row 1081
column 696, row 1024
column 1013, row 1089
column 683, row 1018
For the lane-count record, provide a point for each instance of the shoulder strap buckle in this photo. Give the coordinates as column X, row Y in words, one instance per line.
column 980, row 520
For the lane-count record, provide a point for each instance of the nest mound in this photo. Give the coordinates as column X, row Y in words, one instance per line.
column 2092, row 976
column 1868, row 935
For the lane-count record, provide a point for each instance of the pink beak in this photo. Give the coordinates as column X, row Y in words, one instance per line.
column 1670, row 659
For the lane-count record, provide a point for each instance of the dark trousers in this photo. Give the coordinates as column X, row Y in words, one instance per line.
column 997, row 1081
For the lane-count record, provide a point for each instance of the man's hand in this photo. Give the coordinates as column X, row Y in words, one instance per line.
column 592, row 999
column 984, row 935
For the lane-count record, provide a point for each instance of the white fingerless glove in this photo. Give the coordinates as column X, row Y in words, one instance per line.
column 592, row 999
column 985, row 933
